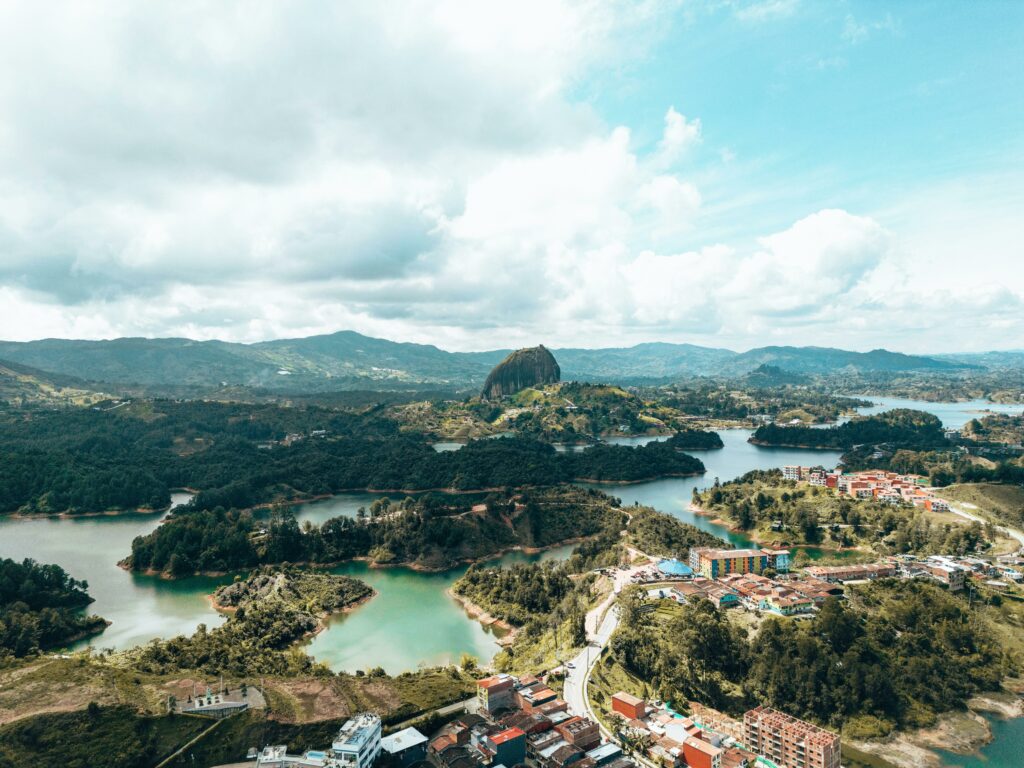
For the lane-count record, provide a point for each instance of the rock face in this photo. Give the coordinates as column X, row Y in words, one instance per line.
column 523, row 368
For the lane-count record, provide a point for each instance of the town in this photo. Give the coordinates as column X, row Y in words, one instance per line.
column 550, row 719
column 523, row 721
column 889, row 487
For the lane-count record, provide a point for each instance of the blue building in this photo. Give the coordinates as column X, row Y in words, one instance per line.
column 675, row 569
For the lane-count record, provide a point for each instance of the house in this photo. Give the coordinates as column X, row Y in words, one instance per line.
column 408, row 746
column 680, row 729
column 629, row 706
column 604, row 754
column 843, row 573
column 950, row 575
column 533, row 696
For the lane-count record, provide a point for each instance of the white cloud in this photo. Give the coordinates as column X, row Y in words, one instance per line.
column 679, row 136
column 765, row 10
column 424, row 173
column 855, row 32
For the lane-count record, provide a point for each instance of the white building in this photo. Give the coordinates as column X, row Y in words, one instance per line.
column 358, row 741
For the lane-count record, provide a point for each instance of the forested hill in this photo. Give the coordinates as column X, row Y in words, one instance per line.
column 239, row 456
column 901, row 428
column 348, row 360
column 41, row 607
column 432, row 532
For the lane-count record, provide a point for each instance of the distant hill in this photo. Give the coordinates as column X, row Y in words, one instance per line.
column 654, row 360
column 21, row 383
column 828, row 360
column 347, row 360
column 772, row 376
column 992, row 360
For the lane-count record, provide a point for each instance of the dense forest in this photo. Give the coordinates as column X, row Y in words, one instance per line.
column 659, row 534
column 696, row 440
column 518, row 592
column 239, row 456
column 434, row 531
column 789, row 513
column 900, row 427
column 41, row 607
column 897, row 654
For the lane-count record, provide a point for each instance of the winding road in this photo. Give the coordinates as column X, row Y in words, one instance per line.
column 958, row 508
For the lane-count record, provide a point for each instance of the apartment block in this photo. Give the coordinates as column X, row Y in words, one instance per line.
column 789, row 742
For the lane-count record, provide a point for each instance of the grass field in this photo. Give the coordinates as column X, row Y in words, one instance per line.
column 999, row 503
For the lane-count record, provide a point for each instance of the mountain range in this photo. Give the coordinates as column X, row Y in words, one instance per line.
column 349, row 360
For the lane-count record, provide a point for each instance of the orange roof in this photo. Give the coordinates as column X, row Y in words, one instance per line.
column 441, row 743
column 507, row 735
column 490, row 682
column 702, row 746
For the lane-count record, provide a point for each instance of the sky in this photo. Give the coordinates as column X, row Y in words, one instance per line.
column 475, row 175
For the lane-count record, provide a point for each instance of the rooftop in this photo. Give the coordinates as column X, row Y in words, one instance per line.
column 674, row 567
column 507, row 735
column 402, row 740
column 628, row 698
column 357, row 731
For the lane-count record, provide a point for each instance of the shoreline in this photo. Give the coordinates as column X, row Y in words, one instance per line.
column 322, row 619
column 66, row 515
column 959, row 733
column 637, row 482
column 484, row 617
column 98, row 629
column 792, row 446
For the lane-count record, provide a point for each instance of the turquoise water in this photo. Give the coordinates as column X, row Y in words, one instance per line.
column 142, row 607
column 412, row 622
column 952, row 415
column 1006, row 750
column 139, row 607
column 673, row 495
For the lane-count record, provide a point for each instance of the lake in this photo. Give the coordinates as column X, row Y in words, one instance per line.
column 139, row 607
column 953, row 415
column 389, row 630
column 412, row 622
column 1006, row 750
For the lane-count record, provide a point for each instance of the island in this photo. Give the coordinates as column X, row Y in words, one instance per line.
column 42, row 607
column 432, row 532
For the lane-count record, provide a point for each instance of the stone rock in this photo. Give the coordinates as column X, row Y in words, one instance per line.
column 521, row 369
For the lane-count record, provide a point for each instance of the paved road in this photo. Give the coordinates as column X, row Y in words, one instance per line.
column 601, row 623
column 575, row 692
column 1013, row 533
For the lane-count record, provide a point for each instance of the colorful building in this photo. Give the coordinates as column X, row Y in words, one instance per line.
column 495, row 692
column 715, row 563
column 702, row 754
